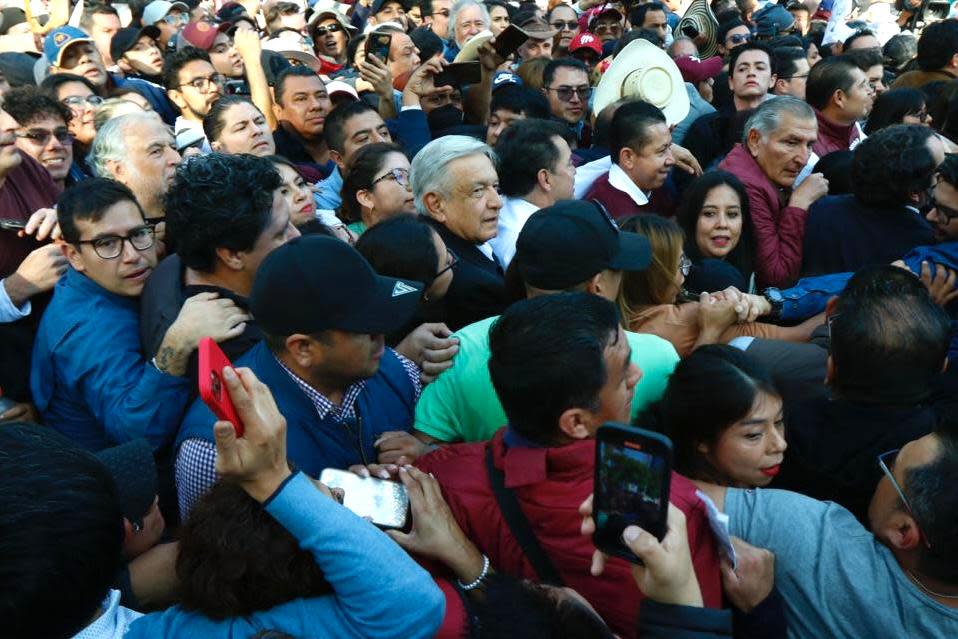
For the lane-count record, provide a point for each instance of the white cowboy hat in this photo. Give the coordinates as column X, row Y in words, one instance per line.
column 644, row 71
column 470, row 50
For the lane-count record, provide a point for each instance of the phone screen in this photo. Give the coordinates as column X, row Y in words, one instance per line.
column 378, row 45
column 632, row 476
column 383, row 501
column 509, row 41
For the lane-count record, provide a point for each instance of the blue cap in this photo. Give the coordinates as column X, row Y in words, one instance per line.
column 502, row 78
column 59, row 39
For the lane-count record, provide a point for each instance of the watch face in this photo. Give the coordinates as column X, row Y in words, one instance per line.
column 774, row 296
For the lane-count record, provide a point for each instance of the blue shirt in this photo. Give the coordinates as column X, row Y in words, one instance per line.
column 89, row 378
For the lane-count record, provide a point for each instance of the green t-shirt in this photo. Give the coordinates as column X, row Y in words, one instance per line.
column 461, row 404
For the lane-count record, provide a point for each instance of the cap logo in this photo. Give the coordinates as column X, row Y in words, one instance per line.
column 60, row 38
column 402, row 288
column 202, row 26
column 586, row 38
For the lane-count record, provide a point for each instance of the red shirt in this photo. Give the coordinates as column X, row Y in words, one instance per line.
column 27, row 188
column 620, row 204
column 833, row 137
column 550, row 484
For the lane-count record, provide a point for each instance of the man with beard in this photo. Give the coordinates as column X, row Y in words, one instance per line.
column 193, row 85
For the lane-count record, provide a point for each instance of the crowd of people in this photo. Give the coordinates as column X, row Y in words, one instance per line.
column 442, row 242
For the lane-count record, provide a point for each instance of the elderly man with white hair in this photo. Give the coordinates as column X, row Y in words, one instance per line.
column 466, row 19
column 456, row 187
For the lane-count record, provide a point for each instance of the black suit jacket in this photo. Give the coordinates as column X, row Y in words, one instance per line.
column 478, row 287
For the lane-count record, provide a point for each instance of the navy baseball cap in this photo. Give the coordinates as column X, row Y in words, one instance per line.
column 565, row 244
column 502, row 78
column 59, row 39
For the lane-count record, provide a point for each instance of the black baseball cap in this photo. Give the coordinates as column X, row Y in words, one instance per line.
column 565, row 244
column 314, row 283
column 126, row 38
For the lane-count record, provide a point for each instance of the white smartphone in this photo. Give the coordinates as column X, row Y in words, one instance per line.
column 383, row 501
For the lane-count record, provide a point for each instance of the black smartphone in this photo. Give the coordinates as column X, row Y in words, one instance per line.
column 236, row 87
column 690, row 31
column 378, row 44
column 633, row 469
column 509, row 41
column 459, row 74
column 9, row 224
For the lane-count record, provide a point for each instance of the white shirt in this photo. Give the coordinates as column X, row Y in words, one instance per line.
column 112, row 624
column 187, row 132
column 587, row 174
column 620, row 180
column 512, row 217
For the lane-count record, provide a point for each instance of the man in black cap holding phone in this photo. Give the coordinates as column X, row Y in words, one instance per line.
column 323, row 311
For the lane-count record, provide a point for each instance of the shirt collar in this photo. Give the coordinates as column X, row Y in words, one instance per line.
column 621, row 180
column 325, row 407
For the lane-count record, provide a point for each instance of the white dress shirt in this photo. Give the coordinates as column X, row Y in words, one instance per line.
column 512, row 217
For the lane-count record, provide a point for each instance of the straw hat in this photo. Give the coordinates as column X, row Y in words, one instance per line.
column 644, row 71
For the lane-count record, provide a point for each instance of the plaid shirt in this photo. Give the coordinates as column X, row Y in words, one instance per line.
column 196, row 461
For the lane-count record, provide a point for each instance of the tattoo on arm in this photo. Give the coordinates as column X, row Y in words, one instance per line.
column 164, row 358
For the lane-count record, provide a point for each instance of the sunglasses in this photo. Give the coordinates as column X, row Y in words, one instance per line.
column 329, row 28
column 566, row 93
column 571, row 25
column 77, row 101
column 40, row 137
column 740, row 38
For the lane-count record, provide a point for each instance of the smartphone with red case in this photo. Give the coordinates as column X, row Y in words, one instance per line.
column 212, row 387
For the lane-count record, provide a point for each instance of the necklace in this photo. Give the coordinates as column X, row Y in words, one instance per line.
column 928, row 591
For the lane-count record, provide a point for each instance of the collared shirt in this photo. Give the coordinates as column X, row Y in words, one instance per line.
column 114, row 621
column 621, row 180
column 513, row 215
column 188, row 133
column 9, row 312
column 196, row 460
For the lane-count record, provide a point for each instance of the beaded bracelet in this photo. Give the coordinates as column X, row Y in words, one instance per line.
column 479, row 579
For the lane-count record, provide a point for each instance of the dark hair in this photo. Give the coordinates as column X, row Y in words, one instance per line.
column 219, row 201
column 363, row 167
column 517, row 608
column 892, row 106
column 637, row 14
column 547, row 356
column 214, row 122
column 89, row 200
column 637, row 34
column 353, row 45
column 630, row 126
column 888, row 337
column 27, row 104
column 864, row 59
column 948, row 169
column 175, row 62
column 785, row 59
column 892, row 164
column 334, row 128
column 52, row 83
column 726, row 26
column 62, row 533
column 280, row 9
column 603, row 124
column 90, row 10
column 711, row 389
column 899, row 50
column 279, row 85
column 942, row 100
column 934, row 505
column 549, row 73
column 236, row 559
column 751, row 46
column 519, row 99
column 827, row 77
column 401, row 246
column 861, row 33
column 690, row 210
column 525, row 148
column 836, row 167
column 937, row 45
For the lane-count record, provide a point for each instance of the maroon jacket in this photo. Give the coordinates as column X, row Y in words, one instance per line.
column 620, row 204
column 550, row 484
column 27, row 187
column 833, row 137
column 779, row 229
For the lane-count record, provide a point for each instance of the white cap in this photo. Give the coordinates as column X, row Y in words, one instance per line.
column 157, row 10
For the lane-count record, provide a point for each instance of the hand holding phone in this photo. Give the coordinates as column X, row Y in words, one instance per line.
column 378, row 44
column 10, row 224
column 632, row 475
column 212, row 387
column 384, row 502
column 509, row 41
column 459, row 74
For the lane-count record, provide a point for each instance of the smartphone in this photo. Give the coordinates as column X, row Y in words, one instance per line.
column 633, row 468
column 378, row 44
column 459, row 74
column 9, row 224
column 383, row 501
column 236, row 87
column 212, row 387
column 690, row 31
column 509, row 41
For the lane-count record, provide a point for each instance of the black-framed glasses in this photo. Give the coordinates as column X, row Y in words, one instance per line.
column 329, row 28
column 41, row 137
column 685, row 265
column 452, row 262
column 204, row 84
column 109, row 247
column 792, row 77
column 566, row 93
column 77, row 101
column 740, row 38
column 886, row 461
column 401, row 176
column 570, row 25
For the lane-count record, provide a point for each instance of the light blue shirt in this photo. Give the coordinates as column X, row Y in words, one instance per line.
column 9, row 312
column 328, row 196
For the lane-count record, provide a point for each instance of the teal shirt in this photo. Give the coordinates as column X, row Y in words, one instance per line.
column 461, row 404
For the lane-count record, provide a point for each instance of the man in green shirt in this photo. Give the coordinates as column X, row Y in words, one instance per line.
column 571, row 246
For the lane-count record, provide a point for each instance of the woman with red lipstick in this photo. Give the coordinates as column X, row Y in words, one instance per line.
column 714, row 215
column 724, row 416
column 376, row 186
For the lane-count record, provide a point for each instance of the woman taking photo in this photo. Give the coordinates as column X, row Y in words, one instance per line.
column 724, row 416
column 376, row 187
column 715, row 218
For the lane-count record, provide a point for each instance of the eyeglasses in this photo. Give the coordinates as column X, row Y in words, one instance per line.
column 886, row 461
column 945, row 213
column 40, row 137
column 442, row 12
column 602, row 29
column 792, row 77
column 329, row 28
column 565, row 93
column 922, row 116
column 401, row 176
column 829, row 321
column 740, row 38
column 685, row 265
column 109, row 247
column 205, row 84
column 571, row 25
column 77, row 101
column 176, row 18
column 452, row 262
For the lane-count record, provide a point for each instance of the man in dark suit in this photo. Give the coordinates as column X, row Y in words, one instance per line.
column 456, row 187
